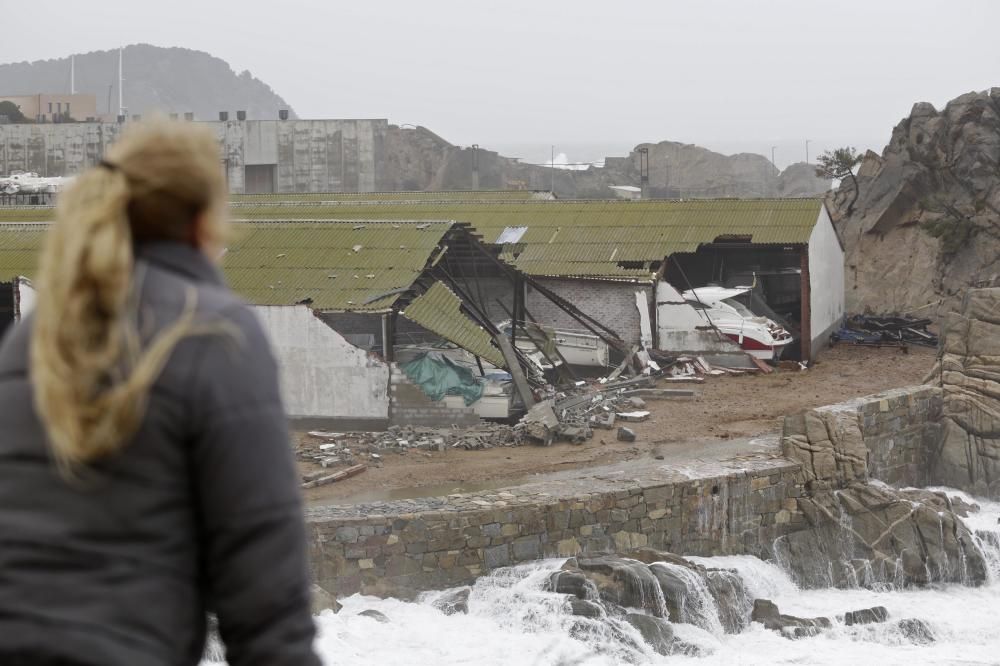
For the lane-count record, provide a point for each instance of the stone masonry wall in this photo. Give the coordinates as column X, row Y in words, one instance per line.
column 900, row 429
column 888, row 436
column 409, row 405
column 400, row 548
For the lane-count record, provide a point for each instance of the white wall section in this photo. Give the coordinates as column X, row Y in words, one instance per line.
column 323, row 375
column 826, row 281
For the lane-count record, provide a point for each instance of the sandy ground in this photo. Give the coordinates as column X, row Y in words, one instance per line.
column 725, row 408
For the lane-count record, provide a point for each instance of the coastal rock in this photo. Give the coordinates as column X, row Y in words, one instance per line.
column 454, row 601
column 766, row 612
column 582, row 608
column 871, row 615
column 323, row 600
column 830, row 446
column 625, row 582
column 656, row 632
column 916, row 631
column 375, row 615
column 572, row 582
column 969, row 376
column 867, row 535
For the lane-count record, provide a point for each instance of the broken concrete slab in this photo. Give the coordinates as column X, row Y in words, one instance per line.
column 626, row 434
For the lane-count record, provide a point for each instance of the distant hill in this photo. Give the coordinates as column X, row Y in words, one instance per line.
column 171, row 80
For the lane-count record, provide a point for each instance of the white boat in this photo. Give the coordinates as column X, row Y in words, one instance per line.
column 719, row 307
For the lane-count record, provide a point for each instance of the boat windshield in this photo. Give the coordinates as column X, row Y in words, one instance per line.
column 739, row 307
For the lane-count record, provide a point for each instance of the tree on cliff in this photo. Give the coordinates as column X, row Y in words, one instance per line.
column 839, row 164
column 12, row 111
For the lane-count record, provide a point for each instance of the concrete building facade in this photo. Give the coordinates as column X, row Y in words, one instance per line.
column 258, row 156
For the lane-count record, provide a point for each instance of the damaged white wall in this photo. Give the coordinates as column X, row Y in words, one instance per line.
column 826, row 281
column 25, row 297
column 681, row 329
column 323, row 375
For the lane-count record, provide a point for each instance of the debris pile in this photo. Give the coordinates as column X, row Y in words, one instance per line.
column 885, row 331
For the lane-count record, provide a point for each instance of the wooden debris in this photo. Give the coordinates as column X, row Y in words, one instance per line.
column 761, row 365
column 336, row 476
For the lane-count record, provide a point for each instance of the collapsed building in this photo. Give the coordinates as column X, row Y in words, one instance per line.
column 342, row 302
column 604, row 255
column 351, row 290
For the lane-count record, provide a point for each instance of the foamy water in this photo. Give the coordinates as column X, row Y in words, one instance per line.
column 511, row 621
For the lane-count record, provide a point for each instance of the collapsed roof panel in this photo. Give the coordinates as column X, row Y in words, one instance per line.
column 439, row 310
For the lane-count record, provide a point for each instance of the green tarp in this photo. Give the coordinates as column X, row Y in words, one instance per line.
column 438, row 376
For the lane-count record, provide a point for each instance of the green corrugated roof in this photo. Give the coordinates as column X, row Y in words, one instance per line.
column 439, row 311
column 278, row 263
column 451, row 195
column 588, row 238
column 566, row 238
column 16, row 214
column 19, row 246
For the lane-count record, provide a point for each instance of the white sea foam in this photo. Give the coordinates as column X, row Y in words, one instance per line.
column 512, row 621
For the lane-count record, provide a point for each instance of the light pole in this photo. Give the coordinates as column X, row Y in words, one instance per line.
column 773, row 148
column 807, row 151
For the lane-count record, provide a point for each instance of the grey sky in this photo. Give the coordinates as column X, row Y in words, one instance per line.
column 729, row 74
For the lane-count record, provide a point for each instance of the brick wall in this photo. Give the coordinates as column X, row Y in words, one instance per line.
column 409, row 405
column 403, row 547
column 611, row 303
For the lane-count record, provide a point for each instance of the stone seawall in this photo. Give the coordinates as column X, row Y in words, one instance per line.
column 889, row 436
column 400, row 548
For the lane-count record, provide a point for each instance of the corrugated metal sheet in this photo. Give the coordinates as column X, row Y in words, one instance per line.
column 342, row 266
column 590, row 238
column 439, row 311
column 567, row 238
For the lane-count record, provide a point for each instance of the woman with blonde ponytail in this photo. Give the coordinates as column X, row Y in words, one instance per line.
column 146, row 477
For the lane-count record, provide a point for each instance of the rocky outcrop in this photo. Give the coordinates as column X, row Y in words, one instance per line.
column 862, row 534
column 868, row 535
column 968, row 372
column 830, row 446
column 926, row 224
column 419, row 159
column 662, row 585
column 766, row 612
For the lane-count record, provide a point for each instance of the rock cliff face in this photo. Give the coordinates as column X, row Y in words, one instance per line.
column 969, row 376
column 169, row 80
column 421, row 160
column 926, row 224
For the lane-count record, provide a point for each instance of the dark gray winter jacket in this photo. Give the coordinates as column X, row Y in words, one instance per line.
column 199, row 512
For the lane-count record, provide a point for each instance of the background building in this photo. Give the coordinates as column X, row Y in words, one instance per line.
column 54, row 108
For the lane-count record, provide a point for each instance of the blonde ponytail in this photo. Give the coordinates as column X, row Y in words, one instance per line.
column 91, row 374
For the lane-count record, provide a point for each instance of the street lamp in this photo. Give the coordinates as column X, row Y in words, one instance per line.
column 807, row 151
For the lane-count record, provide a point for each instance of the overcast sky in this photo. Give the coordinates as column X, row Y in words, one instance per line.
column 729, row 74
